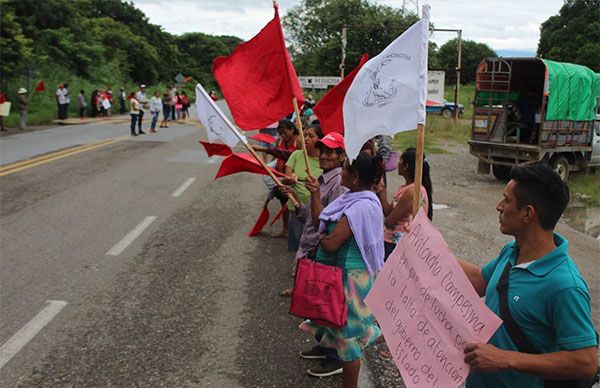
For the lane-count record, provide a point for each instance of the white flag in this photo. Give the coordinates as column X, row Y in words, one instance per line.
column 389, row 92
column 217, row 125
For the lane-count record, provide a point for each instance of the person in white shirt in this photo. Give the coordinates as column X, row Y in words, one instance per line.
column 155, row 108
column 61, row 101
column 140, row 96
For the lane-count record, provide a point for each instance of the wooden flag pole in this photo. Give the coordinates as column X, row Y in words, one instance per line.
column 418, row 168
column 299, row 125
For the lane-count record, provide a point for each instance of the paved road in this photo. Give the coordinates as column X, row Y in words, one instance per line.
column 190, row 302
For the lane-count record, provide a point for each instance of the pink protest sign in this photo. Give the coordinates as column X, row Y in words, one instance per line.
column 428, row 309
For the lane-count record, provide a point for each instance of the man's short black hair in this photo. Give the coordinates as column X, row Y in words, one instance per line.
column 540, row 186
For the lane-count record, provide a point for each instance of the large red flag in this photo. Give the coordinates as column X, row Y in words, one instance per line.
column 258, row 79
column 216, row 149
column 329, row 110
column 235, row 163
column 264, row 137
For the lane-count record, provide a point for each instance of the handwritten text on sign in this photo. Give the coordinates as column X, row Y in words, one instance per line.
column 428, row 309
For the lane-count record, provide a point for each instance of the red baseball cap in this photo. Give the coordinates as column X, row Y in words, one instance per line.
column 333, row 140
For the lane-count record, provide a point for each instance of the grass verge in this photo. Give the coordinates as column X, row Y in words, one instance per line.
column 438, row 130
column 588, row 184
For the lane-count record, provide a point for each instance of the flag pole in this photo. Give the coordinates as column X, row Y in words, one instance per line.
column 418, row 168
column 294, row 99
column 244, row 141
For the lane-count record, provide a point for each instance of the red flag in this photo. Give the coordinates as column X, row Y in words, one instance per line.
column 278, row 215
column 187, row 79
column 264, row 137
column 41, row 86
column 258, row 79
column 216, row 149
column 260, row 223
column 235, row 163
column 329, row 110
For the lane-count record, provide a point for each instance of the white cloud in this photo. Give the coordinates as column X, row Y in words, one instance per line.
column 508, row 24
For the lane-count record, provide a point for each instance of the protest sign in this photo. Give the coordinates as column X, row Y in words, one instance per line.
column 428, row 309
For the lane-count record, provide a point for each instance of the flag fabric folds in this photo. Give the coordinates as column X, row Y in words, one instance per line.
column 329, row 109
column 258, row 79
column 217, row 125
column 216, row 149
column 238, row 162
column 260, row 222
column 388, row 94
column 40, row 87
column 264, row 137
column 279, row 214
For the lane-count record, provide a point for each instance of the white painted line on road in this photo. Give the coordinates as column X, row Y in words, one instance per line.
column 183, row 187
column 129, row 237
column 15, row 343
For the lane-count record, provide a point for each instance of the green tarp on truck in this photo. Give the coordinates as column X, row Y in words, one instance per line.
column 572, row 91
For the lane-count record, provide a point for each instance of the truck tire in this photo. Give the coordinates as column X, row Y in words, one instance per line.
column 560, row 164
column 446, row 113
column 501, row 172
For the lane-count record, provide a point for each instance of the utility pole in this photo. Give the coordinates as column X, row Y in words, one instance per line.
column 458, row 68
column 344, row 43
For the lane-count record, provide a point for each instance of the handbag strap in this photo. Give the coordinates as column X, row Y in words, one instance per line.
column 512, row 328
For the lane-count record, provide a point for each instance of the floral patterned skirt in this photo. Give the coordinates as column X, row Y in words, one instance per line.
column 360, row 330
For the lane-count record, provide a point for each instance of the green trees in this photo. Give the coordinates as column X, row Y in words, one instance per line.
column 472, row 54
column 314, row 29
column 573, row 35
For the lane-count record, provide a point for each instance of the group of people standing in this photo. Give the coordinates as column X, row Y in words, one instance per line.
column 174, row 106
column 343, row 215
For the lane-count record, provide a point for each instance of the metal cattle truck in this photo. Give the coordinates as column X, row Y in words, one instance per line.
column 528, row 110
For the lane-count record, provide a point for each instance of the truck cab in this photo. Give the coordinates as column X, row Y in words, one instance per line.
column 529, row 110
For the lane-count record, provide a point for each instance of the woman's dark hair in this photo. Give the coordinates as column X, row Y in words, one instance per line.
column 287, row 124
column 318, row 130
column 82, row 91
column 410, row 158
column 540, row 186
column 369, row 168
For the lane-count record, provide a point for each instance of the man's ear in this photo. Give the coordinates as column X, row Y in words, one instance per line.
column 529, row 214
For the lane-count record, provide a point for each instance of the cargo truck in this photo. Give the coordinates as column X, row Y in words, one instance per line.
column 529, row 110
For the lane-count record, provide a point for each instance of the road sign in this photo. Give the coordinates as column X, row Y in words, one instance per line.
column 313, row 82
column 435, row 86
column 179, row 78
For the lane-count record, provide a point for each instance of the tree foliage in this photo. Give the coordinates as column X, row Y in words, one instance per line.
column 472, row 54
column 314, row 29
column 105, row 41
column 573, row 35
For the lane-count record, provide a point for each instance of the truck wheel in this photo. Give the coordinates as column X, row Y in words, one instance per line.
column 560, row 164
column 446, row 113
column 501, row 172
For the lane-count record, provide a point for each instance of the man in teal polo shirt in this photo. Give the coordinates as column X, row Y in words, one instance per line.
column 547, row 297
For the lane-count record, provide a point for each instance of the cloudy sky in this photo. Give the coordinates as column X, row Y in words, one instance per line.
column 504, row 25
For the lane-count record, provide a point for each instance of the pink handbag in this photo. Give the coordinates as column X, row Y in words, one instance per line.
column 319, row 294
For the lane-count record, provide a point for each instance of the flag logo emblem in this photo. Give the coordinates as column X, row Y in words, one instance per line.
column 382, row 89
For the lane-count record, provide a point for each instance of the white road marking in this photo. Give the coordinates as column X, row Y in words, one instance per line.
column 129, row 237
column 183, row 187
column 15, row 343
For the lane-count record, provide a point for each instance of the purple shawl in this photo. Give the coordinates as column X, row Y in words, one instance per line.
column 365, row 216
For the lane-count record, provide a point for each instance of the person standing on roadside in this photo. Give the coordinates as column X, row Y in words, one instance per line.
column 23, row 105
column 173, row 92
column 155, row 108
column 178, row 106
column 140, row 96
column 82, row 103
column 122, row 97
column 166, row 108
column 134, row 112
column 94, row 103
column 185, row 104
column 61, row 101
column 67, row 101
column 534, row 286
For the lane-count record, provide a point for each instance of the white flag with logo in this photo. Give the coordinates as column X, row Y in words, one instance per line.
column 389, row 92
column 217, row 125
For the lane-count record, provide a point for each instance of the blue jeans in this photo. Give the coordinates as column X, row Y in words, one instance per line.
column 134, row 119
column 154, row 120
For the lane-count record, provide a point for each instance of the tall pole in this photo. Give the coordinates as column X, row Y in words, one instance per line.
column 418, row 168
column 344, row 43
column 458, row 68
